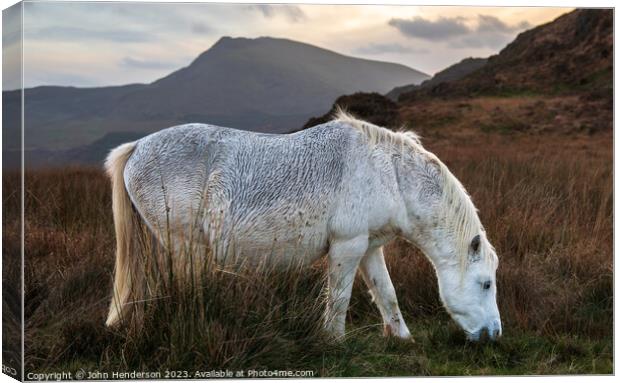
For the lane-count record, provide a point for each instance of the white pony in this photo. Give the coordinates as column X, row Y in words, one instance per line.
column 342, row 189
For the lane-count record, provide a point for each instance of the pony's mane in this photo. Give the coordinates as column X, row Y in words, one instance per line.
column 460, row 216
column 457, row 211
column 377, row 134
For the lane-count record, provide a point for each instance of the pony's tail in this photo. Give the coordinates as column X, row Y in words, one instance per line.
column 123, row 226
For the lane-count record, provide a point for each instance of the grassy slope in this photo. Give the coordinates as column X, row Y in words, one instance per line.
column 546, row 202
column 522, row 112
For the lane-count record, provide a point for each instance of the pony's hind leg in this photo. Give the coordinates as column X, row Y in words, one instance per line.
column 344, row 258
column 377, row 278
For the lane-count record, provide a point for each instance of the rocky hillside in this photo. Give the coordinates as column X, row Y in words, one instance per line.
column 371, row 107
column 570, row 54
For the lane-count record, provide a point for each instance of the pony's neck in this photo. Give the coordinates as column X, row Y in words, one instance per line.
column 441, row 219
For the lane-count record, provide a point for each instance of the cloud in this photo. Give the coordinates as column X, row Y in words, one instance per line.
column 130, row 62
column 377, row 49
column 10, row 37
column 63, row 33
column 494, row 41
column 444, row 27
column 490, row 31
column 200, row 28
column 292, row 12
column 488, row 23
column 11, row 26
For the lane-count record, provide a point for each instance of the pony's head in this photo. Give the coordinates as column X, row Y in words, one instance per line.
column 443, row 222
column 469, row 291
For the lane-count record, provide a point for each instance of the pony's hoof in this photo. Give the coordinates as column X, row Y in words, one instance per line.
column 389, row 332
column 408, row 338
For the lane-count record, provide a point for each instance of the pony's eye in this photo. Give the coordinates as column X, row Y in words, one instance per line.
column 486, row 285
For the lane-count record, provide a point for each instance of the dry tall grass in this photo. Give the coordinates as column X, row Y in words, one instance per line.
column 547, row 208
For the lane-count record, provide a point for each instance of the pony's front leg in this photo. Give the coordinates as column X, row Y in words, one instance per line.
column 377, row 278
column 344, row 258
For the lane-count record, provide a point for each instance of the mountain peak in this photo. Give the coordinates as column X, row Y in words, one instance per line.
column 272, row 55
column 227, row 42
column 231, row 44
column 231, row 41
column 238, row 42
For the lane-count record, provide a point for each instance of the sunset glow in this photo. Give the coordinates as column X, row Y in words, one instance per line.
column 96, row 44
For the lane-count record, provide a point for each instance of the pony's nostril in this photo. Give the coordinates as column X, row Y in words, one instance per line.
column 497, row 329
column 496, row 334
column 484, row 333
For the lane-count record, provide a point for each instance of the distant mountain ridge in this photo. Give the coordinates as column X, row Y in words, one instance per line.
column 452, row 73
column 264, row 84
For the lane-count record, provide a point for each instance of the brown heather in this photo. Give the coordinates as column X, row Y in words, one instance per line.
column 546, row 203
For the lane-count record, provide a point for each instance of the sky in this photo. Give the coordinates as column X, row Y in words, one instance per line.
column 98, row 44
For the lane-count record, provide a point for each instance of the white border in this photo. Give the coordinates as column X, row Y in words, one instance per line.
column 481, row 3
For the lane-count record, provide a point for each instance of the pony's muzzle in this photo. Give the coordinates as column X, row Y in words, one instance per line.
column 492, row 332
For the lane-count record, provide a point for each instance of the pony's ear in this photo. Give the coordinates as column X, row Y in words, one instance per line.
column 474, row 249
column 475, row 244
